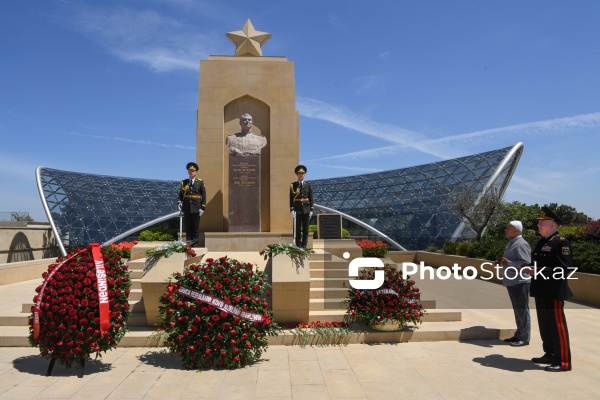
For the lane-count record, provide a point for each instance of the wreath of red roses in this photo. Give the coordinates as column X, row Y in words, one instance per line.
column 397, row 299
column 66, row 322
column 216, row 314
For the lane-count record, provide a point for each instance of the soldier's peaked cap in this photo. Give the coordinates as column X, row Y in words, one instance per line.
column 191, row 165
column 300, row 168
column 550, row 215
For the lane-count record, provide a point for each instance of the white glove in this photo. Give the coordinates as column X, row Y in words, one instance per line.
column 293, row 214
column 179, row 205
column 310, row 215
column 200, row 212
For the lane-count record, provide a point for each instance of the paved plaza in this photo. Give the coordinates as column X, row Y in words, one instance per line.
column 487, row 369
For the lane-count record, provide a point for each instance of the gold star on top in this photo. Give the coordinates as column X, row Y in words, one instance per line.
column 248, row 41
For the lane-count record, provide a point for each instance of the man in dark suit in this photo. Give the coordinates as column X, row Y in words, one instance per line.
column 192, row 202
column 553, row 260
column 301, row 205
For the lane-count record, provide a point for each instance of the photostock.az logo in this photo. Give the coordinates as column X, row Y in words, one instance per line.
column 365, row 262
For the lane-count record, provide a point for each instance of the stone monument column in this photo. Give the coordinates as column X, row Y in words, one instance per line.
column 264, row 88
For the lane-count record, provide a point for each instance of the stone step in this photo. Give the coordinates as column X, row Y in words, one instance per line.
column 329, row 273
column 136, row 265
column 427, row 332
column 136, row 274
column 336, row 304
column 137, row 319
column 329, row 293
column 16, row 319
column 431, row 316
column 330, row 264
column 135, row 295
column 329, row 283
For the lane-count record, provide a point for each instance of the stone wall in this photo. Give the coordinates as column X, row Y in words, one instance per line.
column 22, row 241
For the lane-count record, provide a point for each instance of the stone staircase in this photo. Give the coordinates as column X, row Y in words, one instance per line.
column 329, row 286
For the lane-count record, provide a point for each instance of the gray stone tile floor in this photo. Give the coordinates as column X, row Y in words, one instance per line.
column 487, row 369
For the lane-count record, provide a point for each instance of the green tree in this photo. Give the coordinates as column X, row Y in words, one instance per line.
column 515, row 211
column 569, row 215
column 477, row 211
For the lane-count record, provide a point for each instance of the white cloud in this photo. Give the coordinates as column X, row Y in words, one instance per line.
column 557, row 124
column 370, row 83
column 356, row 169
column 135, row 141
column 156, row 41
column 401, row 139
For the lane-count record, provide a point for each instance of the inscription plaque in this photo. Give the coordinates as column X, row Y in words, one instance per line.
column 244, row 193
column 329, row 226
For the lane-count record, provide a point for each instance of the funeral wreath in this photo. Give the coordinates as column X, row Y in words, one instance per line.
column 396, row 301
column 216, row 314
column 82, row 307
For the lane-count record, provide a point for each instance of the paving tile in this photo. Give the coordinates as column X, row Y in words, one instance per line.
column 273, row 383
column 310, row 392
column 305, row 372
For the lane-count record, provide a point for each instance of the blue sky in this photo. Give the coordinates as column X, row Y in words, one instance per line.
column 111, row 87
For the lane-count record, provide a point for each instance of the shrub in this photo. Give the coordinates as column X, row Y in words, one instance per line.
column 372, row 249
column 158, row 235
column 586, row 256
column 488, row 248
column 572, row 233
column 592, row 231
column 449, row 247
column 462, row 248
column 431, row 249
column 315, row 231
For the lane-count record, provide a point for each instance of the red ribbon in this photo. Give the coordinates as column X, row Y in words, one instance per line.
column 102, row 281
column 37, row 309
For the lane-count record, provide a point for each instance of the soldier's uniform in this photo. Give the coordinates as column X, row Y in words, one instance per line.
column 554, row 258
column 193, row 202
column 301, row 202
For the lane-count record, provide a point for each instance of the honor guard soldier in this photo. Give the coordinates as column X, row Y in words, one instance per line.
column 552, row 264
column 301, row 206
column 192, row 202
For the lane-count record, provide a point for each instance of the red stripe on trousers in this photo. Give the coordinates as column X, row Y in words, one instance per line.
column 562, row 334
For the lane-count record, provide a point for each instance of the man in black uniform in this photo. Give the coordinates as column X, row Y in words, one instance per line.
column 301, row 205
column 192, row 201
column 553, row 260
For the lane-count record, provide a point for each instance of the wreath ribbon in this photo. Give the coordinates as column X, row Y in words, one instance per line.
column 220, row 304
column 102, row 280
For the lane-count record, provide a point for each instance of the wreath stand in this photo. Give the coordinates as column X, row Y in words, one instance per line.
column 80, row 367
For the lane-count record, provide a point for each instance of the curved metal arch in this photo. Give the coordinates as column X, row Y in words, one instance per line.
column 513, row 156
column 360, row 223
column 38, row 179
column 141, row 227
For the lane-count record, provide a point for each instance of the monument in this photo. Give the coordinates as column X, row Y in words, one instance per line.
column 244, row 177
column 262, row 87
